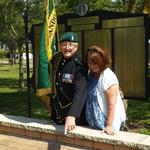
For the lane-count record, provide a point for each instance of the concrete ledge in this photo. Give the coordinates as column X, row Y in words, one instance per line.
column 81, row 136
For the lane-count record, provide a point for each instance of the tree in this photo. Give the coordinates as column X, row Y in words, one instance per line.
column 70, row 6
column 139, row 6
column 146, row 7
column 132, row 6
column 12, row 24
column 119, row 5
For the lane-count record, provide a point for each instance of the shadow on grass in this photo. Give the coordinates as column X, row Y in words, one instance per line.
column 6, row 64
column 9, row 83
column 139, row 110
column 16, row 103
column 5, row 70
column 13, row 103
column 139, row 115
column 2, row 65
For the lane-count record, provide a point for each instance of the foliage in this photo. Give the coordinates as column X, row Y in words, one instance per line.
column 12, row 23
column 99, row 5
column 14, row 15
column 139, row 6
column 12, row 11
column 3, row 53
column 12, row 28
column 120, row 6
column 136, row 6
column 70, row 6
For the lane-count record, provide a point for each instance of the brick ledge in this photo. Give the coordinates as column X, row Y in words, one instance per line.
column 83, row 136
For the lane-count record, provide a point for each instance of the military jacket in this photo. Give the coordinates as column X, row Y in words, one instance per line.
column 70, row 87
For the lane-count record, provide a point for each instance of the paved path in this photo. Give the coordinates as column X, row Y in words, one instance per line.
column 4, row 62
column 9, row 142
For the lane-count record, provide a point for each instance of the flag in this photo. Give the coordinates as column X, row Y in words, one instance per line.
column 48, row 47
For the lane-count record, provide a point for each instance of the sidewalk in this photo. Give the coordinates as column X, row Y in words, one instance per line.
column 4, row 62
column 12, row 142
column 9, row 142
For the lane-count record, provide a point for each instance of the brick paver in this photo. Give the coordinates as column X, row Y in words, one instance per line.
column 12, row 142
column 9, row 142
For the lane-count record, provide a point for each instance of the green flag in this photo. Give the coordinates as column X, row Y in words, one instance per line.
column 48, row 46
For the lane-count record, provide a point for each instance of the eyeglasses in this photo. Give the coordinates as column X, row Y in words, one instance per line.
column 68, row 44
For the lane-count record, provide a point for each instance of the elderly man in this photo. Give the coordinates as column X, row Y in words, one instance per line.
column 69, row 94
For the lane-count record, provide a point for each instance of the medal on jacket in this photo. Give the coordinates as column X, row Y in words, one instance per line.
column 67, row 78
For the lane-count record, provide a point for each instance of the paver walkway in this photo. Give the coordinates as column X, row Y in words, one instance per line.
column 9, row 142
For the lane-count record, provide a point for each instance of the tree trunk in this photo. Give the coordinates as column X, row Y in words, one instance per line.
column 21, row 78
column 131, row 7
column 146, row 7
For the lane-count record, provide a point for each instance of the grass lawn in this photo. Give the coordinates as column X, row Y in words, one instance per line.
column 139, row 116
column 14, row 102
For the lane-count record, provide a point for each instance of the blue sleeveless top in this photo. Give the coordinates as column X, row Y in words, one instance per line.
column 94, row 116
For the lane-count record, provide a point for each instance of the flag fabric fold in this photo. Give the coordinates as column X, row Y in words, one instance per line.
column 48, row 47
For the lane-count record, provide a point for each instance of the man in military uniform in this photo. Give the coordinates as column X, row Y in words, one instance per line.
column 69, row 83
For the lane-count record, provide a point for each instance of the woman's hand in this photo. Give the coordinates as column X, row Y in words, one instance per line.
column 69, row 124
column 109, row 130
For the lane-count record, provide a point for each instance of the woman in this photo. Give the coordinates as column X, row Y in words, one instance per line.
column 104, row 106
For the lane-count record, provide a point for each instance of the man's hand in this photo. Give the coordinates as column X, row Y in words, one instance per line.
column 69, row 124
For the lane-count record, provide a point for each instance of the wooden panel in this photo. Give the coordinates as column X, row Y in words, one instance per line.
column 61, row 27
column 79, row 34
column 101, row 38
column 37, row 29
column 123, row 22
column 83, row 20
column 83, row 27
column 130, row 60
